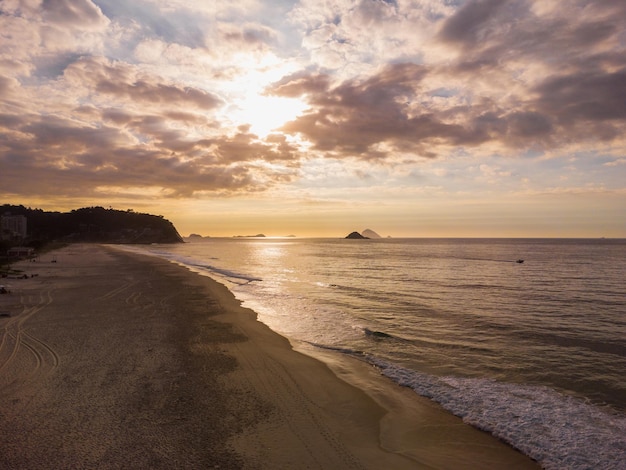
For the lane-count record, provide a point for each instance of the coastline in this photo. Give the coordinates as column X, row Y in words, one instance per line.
column 117, row 360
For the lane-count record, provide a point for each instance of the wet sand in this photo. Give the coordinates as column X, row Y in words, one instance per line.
column 114, row 360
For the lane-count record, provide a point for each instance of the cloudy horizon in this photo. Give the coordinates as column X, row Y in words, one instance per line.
column 409, row 117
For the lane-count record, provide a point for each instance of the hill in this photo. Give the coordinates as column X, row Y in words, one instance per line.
column 91, row 224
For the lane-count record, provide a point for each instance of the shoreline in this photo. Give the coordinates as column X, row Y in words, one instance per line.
column 130, row 360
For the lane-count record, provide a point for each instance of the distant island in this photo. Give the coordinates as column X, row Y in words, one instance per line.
column 368, row 233
column 365, row 235
column 356, row 236
column 23, row 226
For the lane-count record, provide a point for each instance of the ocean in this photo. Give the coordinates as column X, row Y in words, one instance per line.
column 532, row 352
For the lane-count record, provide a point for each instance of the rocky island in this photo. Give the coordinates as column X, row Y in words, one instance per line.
column 356, row 236
column 369, row 233
column 365, row 235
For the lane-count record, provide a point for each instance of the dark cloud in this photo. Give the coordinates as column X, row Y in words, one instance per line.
column 301, row 83
column 584, row 96
column 471, row 23
column 496, row 34
column 525, row 127
column 55, row 132
column 158, row 93
column 375, row 117
column 9, row 121
column 121, row 81
column 246, row 147
column 249, row 35
column 83, row 14
column 117, row 116
column 580, row 95
column 352, row 118
column 42, row 155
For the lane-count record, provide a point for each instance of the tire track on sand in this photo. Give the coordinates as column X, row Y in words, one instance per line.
column 118, row 290
column 18, row 345
column 14, row 329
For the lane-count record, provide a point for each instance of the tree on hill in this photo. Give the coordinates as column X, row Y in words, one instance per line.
column 94, row 224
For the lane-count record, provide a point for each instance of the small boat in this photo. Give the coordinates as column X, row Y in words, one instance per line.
column 520, row 261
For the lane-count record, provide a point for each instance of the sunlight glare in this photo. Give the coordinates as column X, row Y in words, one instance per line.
column 251, row 102
column 267, row 113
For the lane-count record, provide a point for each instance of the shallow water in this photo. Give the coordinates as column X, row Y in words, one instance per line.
column 533, row 352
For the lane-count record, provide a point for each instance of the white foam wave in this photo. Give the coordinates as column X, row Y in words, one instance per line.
column 558, row 431
column 193, row 264
column 204, row 268
column 225, row 273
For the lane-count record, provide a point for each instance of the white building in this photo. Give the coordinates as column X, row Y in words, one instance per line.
column 12, row 226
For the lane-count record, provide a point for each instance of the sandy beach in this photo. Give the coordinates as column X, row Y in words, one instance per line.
column 114, row 360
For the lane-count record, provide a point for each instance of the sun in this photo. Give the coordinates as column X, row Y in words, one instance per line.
column 248, row 97
column 264, row 114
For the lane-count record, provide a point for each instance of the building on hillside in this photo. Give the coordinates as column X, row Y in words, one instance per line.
column 12, row 227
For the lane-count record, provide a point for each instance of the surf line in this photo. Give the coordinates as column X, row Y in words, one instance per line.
column 518, row 261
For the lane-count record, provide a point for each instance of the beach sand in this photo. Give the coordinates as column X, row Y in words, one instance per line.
column 114, row 360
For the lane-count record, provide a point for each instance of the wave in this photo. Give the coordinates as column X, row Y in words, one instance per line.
column 558, row 431
column 193, row 264
column 377, row 334
column 348, row 351
column 226, row 273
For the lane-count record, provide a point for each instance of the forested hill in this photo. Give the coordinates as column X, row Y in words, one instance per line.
column 93, row 224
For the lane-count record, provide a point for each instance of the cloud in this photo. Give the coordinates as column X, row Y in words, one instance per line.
column 354, row 38
column 584, row 96
column 128, row 83
column 81, row 14
column 133, row 130
column 39, row 39
column 472, row 22
column 528, row 40
column 519, row 76
column 383, row 115
column 353, row 117
column 97, row 156
column 145, row 93
column 7, row 85
column 154, row 20
column 247, row 35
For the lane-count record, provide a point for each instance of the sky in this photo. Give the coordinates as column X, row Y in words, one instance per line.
column 414, row 118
